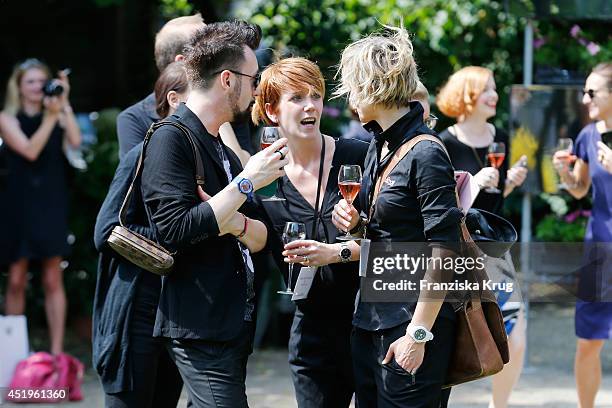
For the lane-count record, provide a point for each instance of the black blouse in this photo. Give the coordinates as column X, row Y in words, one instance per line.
column 466, row 158
column 418, row 204
column 334, row 288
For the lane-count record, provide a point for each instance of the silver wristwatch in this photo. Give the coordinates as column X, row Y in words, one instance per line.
column 344, row 253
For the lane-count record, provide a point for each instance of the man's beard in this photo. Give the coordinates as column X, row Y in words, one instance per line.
column 239, row 116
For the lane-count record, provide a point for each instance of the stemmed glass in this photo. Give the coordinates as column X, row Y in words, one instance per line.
column 269, row 135
column 294, row 231
column 496, row 156
column 566, row 145
column 349, row 183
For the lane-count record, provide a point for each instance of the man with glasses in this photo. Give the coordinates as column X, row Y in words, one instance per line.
column 206, row 306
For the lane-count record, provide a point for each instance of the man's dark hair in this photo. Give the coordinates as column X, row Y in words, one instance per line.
column 218, row 46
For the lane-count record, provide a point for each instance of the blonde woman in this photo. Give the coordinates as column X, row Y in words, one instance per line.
column 471, row 98
column 34, row 128
column 400, row 351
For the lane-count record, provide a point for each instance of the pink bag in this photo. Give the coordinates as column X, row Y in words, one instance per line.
column 56, row 378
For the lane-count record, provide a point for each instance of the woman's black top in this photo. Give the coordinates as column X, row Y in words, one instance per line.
column 334, row 286
column 417, row 203
column 471, row 159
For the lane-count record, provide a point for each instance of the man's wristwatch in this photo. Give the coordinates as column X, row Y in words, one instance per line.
column 245, row 186
column 344, row 253
column 419, row 333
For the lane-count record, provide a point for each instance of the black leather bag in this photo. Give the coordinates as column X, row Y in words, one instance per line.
column 495, row 233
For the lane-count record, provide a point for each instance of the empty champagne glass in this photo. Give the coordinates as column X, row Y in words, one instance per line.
column 566, row 145
column 293, row 231
column 269, row 135
column 349, row 183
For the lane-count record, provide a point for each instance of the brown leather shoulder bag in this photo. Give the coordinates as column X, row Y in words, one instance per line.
column 134, row 247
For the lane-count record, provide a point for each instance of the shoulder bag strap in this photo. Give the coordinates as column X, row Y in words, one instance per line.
column 198, row 158
column 397, row 156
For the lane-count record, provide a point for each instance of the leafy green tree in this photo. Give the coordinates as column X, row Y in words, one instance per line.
column 447, row 35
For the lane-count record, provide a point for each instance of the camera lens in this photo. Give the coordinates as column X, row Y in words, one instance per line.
column 52, row 88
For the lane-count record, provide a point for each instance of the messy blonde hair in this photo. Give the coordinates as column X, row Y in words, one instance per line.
column 458, row 96
column 289, row 74
column 12, row 102
column 379, row 70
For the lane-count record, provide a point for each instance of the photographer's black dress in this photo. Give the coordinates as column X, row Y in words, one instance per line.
column 35, row 203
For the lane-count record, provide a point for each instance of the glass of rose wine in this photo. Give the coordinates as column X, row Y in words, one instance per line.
column 269, row 135
column 565, row 145
column 349, row 183
column 293, row 231
column 496, row 156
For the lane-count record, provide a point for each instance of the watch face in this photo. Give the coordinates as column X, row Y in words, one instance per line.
column 245, row 186
column 345, row 253
column 419, row 334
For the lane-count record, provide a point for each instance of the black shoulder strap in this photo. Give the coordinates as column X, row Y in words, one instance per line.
column 198, row 159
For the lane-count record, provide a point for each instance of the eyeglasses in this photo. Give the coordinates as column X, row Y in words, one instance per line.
column 591, row 92
column 255, row 77
column 431, row 121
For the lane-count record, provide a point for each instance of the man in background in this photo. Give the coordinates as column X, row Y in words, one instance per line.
column 134, row 121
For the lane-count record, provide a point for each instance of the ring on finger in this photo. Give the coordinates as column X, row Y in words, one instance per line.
column 282, row 156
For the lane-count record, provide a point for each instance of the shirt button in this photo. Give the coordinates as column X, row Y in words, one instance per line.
column 324, row 241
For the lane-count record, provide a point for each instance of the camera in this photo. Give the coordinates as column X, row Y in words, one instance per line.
column 52, row 88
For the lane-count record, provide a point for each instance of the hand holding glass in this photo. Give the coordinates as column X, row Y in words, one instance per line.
column 565, row 145
column 496, row 156
column 294, row 231
column 269, row 135
column 349, row 183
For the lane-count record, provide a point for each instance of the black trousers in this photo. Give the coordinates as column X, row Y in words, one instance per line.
column 214, row 372
column 378, row 386
column 157, row 382
column 320, row 360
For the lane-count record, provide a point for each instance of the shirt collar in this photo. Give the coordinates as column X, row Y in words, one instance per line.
column 190, row 119
column 403, row 129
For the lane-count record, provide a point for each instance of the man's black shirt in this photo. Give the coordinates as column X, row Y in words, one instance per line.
column 205, row 296
column 133, row 123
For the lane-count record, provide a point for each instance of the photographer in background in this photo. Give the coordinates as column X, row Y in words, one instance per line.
column 36, row 120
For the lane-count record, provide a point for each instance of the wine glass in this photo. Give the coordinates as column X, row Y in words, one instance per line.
column 566, row 145
column 349, row 183
column 496, row 156
column 293, row 231
column 269, row 135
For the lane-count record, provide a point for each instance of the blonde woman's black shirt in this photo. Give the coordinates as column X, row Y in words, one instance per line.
column 417, row 204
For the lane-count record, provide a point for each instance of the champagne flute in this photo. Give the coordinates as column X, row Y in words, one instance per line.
column 566, row 145
column 269, row 135
column 293, row 231
column 349, row 183
column 496, row 156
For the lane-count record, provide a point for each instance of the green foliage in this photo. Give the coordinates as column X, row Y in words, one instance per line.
column 88, row 191
column 447, row 35
column 175, row 8
column 555, row 229
column 583, row 45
